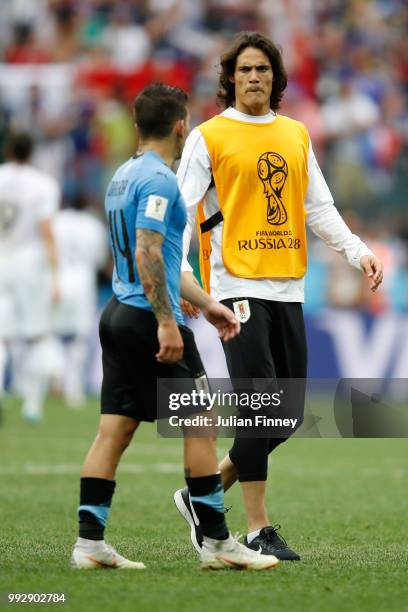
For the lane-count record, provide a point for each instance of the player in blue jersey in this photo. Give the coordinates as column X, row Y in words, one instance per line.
column 143, row 338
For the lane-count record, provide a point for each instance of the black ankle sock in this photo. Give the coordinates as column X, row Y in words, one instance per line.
column 94, row 506
column 207, row 497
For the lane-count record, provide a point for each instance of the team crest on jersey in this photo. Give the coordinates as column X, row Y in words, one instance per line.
column 273, row 172
column 156, row 207
column 242, row 310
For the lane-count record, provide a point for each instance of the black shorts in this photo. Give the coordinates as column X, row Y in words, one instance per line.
column 129, row 343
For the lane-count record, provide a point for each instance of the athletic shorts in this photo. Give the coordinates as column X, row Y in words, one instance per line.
column 25, row 297
column 75, row 312
column 129, row 343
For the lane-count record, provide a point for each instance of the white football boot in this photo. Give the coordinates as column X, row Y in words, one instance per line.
column 89, row 554
column 219, row 554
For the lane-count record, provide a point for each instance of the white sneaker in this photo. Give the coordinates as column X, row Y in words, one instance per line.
column 218, row 554
column 98, row 554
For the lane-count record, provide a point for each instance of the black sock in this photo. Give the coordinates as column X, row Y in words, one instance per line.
column 207, row 497
column 94, row 506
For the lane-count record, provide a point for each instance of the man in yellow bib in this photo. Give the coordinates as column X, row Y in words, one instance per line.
column 251, row 177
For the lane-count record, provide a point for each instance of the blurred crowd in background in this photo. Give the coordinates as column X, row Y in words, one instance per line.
column 70, row 70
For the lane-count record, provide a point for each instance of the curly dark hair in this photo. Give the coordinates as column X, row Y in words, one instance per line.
column 226, row 89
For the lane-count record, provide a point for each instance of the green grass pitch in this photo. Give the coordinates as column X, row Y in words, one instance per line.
column 342, row 503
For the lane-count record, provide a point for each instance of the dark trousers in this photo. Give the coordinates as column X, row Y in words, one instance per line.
column 271, row 345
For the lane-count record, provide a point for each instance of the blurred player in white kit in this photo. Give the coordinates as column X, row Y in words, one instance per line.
column 82, row 248
column 28, row 271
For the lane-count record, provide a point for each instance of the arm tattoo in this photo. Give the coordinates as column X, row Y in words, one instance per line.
column 150, row 265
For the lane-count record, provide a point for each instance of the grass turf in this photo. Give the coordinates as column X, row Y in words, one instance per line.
column 342, row 504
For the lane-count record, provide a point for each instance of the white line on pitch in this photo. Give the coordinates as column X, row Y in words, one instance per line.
column 177, row 468
column 71, row 468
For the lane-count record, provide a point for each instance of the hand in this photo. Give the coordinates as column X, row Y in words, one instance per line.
column 223, row 319
column 373, row 268
column 170, row 342
column 189, row 309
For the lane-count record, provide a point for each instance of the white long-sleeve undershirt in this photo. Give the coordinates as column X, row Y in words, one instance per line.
column 194, row 177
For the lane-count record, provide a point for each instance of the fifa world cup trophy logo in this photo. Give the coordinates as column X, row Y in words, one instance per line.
column 273, row 171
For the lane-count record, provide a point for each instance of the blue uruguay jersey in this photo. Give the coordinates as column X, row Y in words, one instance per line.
column 143, row 194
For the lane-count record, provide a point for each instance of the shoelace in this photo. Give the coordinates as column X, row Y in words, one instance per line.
column 243, row 549
column 273, row 532
column 112, row 551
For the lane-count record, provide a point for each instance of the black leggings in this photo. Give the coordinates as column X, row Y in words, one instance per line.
column 272, row 344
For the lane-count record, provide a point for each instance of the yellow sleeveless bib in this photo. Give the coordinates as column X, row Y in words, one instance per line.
column 260, row 175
